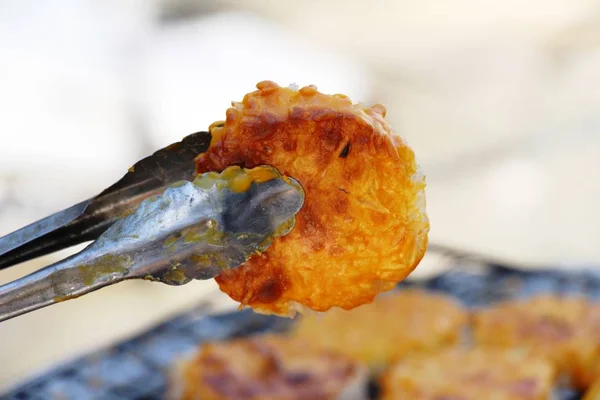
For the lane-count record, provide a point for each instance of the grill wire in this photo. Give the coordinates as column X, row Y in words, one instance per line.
column 138, row 368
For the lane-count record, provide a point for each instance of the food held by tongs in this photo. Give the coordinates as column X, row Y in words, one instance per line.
column 298, row 199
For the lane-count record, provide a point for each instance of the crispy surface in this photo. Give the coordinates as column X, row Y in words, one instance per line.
column 390, row 328
column 563, row 330
column 265, row 368
column 363, row 227
column 475, row 374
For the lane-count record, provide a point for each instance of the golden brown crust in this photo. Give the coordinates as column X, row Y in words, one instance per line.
column 460, row 374
column 265, row 367
column 561, row 329
column 390, row 328
column 363, row 227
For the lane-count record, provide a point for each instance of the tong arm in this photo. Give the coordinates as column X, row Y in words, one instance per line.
column 191, row 231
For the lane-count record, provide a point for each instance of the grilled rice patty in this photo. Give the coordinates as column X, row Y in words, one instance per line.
column 469, row 374
column 394, row 325
column 363, row 226
column 267, row 367
column 565, row 330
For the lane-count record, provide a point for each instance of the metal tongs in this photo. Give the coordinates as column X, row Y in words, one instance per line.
column 159, row 222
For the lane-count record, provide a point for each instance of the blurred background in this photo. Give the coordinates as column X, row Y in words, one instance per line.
column 500, row 100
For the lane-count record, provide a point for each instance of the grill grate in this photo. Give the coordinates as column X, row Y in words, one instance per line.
column 136, row 369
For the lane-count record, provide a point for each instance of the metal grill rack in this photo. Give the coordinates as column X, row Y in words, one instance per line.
column 136, row 369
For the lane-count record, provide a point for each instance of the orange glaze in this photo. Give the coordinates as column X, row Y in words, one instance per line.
column 241, row 179
column 363, row 227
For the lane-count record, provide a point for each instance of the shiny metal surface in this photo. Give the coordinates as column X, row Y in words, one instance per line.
column 87, row 220
column 191, row 231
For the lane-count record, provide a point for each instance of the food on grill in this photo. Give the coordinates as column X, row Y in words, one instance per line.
column 267, row 367
column 520, row 350
column 474, row 374
column 560, row 329
column 390, row 328
column 363, row 226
